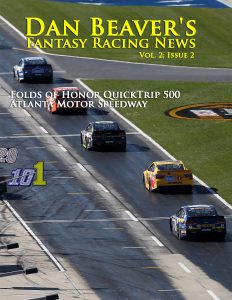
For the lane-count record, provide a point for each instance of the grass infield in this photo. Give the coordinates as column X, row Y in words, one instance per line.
column 213, row 38
column 204, row 145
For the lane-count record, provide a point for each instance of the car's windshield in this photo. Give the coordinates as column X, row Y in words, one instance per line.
column 201, row 211
column 170, row 167
column 35, row 62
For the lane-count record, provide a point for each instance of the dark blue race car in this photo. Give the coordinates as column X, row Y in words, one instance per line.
column 35, row 68
column 193, row 220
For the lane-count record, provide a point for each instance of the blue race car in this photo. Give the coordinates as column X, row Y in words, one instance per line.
column 195, row 220
column 33, row 68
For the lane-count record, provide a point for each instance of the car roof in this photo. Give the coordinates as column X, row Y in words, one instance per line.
column 166, row 162
column 34, row 58
column 66, row 88
column 104, row 122
column 198, row 206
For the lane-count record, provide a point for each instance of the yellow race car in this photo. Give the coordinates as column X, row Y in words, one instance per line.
column 167, row 173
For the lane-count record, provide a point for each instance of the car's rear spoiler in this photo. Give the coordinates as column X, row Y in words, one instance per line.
column 165, row 172
column 113, row 132
column 207, row 217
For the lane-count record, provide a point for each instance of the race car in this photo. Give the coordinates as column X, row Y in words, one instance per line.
column 66, row 99
column 192, row 220
column 167, row 174
column 30, row 68
column 103, row 134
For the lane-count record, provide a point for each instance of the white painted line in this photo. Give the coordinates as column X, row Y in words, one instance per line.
column 4, row 113
column 158, row 242
column 171, row 290
column 95, row 210
column 133, row 247
column 146, row 136
column 35, row 147
column 132, row 133
column 5, row 73
column 42, row 246
column 38, row 136
column 184, row 267
column 26, row 112
column 43, row 129
column 62, row 177
column 81, row 167
column 62, row 148
column 226, row 2
column 102, row 187
column 131, row 216
column 211, row 293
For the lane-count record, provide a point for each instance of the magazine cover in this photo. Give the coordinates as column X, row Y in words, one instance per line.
column 115, row 149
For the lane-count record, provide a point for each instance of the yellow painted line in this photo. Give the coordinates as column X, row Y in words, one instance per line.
column 76, row 193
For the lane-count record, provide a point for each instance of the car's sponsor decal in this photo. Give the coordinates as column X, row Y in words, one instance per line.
column 203, row 111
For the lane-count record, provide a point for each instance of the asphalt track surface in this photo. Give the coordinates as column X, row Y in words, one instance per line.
column 192, row 3
column 88, row 226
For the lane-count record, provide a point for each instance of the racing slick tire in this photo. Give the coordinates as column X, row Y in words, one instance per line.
column 122, row 148
column 221, row 237
column 84, row 111
column 13, row 73
column 188, row 189
column 81, row 140
column 144, row 183
column 150, row 189
column 18, row 79
column 50, row 79
column 170, row 225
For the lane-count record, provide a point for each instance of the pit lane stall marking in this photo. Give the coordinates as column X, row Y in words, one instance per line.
column 50, row 135
column 62, row 148
column 184, row 267
column 34, row 148
column 62, row 177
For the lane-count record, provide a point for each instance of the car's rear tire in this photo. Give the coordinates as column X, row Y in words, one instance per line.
column 150, row 189
column 188, row 189
column 144, row 182
column 170, row 225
